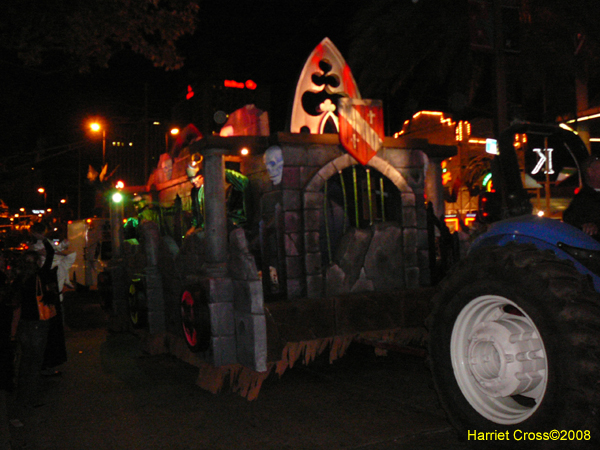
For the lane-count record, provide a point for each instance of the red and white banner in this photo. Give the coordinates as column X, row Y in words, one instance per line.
column 361, row 127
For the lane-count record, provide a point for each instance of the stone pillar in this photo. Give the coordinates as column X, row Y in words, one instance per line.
column 219, row 285
column 116, row 226
column 119, row 314
column 150, row 233
column 215, row 212
column 434, row 188
column 119, row 320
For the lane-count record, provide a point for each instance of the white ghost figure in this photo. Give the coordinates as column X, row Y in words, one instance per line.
column 273, row 159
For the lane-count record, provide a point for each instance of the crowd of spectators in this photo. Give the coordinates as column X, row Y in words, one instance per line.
column 32, row 341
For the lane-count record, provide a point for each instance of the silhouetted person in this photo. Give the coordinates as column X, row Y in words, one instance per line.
column 6, row 352
column 584, row 210
column 37, row 296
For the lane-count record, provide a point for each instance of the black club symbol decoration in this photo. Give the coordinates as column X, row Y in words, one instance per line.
column 316, row 103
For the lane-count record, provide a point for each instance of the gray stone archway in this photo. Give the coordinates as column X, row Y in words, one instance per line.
column 340, row 163
column 407, row 235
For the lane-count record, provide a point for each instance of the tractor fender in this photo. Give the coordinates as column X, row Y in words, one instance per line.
column 542, row 229
column 545, row 234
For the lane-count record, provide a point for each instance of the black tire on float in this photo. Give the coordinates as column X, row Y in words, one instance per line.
column 137, row 303
column 514, row 346
column 195, row 318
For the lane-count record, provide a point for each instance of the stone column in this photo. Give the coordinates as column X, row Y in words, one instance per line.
column 116, row 227
column 215, row 212
column 434, row 188
column 219, row 285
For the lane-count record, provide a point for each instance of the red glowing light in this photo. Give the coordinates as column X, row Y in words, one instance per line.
column 233, row 84
column 251, row 85
column 190, row 92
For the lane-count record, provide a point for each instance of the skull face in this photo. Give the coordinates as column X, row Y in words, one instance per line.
column 273, row 159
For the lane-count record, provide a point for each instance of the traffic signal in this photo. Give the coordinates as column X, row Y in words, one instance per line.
column 117, row 197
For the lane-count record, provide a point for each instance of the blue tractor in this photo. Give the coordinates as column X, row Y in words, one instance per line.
column 515, row 326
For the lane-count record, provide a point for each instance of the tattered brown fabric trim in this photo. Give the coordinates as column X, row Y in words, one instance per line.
column 249, row 382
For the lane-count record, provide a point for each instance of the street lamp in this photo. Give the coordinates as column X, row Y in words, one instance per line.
column 95, row 127
column 173, row 132
column 43, row 191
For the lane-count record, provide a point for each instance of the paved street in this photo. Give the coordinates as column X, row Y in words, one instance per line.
column 113, row 396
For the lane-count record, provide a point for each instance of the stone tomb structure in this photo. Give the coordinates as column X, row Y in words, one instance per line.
column 377, row 254
column 334, row 251
column 331, row 250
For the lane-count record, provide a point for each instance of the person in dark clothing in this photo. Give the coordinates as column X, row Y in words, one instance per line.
column 584, row 210
column 6, row 317
column 36, row 293
column 6, row 351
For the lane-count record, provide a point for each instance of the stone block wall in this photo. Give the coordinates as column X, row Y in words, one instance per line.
column 299, row 198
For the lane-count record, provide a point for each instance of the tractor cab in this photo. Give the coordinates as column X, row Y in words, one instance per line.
column 532, row 211
column 536, row 170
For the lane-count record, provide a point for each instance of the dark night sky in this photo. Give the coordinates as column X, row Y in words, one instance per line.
column 266, row 41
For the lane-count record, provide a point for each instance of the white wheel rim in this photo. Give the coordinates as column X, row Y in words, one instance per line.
column 497, row 355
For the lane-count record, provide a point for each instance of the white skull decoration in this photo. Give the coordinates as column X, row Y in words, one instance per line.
column 273, row 159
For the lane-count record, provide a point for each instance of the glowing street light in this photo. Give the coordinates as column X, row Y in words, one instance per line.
column 173, row 132
column 41, row 190
column 96, row 127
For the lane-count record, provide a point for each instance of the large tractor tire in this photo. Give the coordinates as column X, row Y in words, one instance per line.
column 137, row 303
column 515, row 347
column 195, row 318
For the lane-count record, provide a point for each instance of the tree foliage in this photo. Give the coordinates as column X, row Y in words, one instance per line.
column 81, row 33
column 401, row 44
column 414, row 50
column 561, row 42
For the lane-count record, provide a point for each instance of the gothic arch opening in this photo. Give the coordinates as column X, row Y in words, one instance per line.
column 364, row 213
column 356, row 197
